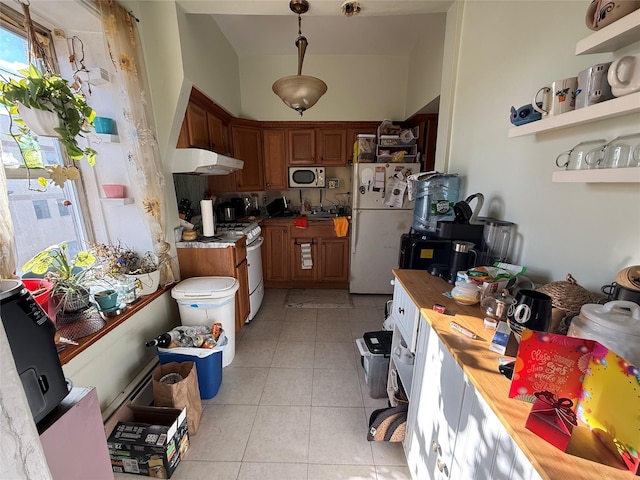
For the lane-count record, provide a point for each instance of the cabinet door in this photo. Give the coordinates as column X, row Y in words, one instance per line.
column 302, row 146
column 332, row 143
column 436, row 402
column 247, row 146
column 242, row 296
column 334, row 258
column 275, row 159
column 275, row 264
column 297, row 272
column 484, row 448
column 197, row 126
column 405, row 315
column 218, row 137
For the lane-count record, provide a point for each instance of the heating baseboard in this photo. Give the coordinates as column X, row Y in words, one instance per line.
column 138, row 392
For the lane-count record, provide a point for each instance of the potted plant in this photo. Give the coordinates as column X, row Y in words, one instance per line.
column 38, row 94
column 70, row 277
column 147, row 274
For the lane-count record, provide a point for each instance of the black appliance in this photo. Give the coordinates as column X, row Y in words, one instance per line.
column 31, row 334
column 418, row 252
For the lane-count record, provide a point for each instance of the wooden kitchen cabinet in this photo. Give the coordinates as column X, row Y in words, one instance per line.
column 220, row 262
column 317, row 146
column 274, row 142
column 205, row 125
column 334, row 255
column 302, row 146
column 298, row 274
column 247, row 146
column 275, row 254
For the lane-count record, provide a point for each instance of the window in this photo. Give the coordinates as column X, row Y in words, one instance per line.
column 42, row 209
column 34, row 227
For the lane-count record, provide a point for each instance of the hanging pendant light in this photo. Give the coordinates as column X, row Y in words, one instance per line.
column 299, row 92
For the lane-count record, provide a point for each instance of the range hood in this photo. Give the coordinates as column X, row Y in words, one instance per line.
column 197, row 161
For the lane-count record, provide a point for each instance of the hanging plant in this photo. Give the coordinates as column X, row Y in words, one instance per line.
column 50, row 93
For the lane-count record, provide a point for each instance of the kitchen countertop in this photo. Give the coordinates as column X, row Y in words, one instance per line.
column 480, row 365
column 224, row 242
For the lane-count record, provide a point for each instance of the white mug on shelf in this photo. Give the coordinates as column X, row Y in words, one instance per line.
column 624, row 75
column 558, row 98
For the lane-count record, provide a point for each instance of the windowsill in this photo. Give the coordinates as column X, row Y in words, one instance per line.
column 71, row 351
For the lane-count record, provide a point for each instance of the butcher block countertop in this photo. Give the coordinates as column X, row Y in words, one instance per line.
column 586, row 458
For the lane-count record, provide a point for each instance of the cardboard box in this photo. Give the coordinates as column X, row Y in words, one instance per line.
column 148, row 441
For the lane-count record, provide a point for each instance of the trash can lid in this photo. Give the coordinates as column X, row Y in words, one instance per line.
column 378, row 342
column 205, row 287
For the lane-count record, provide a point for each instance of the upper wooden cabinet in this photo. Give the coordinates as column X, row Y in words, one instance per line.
column 247, row 146
column 274, row 144
column 317, row 146
column 205, row 125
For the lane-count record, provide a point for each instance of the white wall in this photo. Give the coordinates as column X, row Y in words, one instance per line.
column 589, row 230
column 425, row 65
column 360, row 87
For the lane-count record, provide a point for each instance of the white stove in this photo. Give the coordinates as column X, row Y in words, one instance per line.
column 238, row 229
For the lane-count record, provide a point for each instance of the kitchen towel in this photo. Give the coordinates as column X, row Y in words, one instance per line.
column 305, row 256
column 301, row 222
column 206, row 208
column 341, row 226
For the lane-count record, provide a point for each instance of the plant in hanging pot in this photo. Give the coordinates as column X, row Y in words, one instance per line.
column 70, row 277
column 47, row 104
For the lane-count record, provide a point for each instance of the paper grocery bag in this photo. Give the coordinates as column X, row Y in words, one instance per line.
column 178, row 391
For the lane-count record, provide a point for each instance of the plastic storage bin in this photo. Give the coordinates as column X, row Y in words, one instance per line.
column 208, row 367
column 207, row 300
column 375, row 350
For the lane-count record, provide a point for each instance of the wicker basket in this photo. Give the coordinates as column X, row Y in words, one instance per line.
column 567, row 298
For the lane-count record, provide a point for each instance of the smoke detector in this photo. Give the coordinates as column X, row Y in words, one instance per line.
column 350, row 8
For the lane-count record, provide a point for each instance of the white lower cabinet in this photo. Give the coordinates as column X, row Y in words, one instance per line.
column 451, row 431
column 484, row 449
column 434, row 409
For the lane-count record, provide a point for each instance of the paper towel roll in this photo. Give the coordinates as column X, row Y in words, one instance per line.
column 206, row 208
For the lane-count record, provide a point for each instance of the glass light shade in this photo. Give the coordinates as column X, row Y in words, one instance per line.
column 299, row 91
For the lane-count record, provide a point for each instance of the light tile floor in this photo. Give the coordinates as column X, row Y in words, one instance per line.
column 293, row 404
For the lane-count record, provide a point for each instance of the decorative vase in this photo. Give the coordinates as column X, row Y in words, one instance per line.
column 40, row 122
column 146, row 283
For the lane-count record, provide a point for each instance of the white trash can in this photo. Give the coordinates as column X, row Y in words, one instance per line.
column 207, row 300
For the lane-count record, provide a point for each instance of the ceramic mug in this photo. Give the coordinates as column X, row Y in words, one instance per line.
column 106, row 299
column 559, row 97
column 583, row 156
column 624, row 75
column 532, row 310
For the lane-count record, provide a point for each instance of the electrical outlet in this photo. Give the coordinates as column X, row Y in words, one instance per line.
column 333, row 182
column 265, row 199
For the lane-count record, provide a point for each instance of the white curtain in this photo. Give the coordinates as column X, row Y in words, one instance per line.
column 143, row 155
column 7, row 237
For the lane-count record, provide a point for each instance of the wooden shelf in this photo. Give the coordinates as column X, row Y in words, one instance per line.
column 613, row 37
column 610, row 175
column 615, row 107
column 117, row 201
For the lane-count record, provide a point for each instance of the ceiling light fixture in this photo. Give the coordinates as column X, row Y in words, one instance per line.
column 299, row 92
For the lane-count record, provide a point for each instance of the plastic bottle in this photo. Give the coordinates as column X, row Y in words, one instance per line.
column 435, row 198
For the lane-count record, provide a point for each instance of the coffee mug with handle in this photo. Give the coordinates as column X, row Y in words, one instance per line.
column 624, row 75
column 532, row 310
column 621, row 152
column 559, row 97
column 583, row 156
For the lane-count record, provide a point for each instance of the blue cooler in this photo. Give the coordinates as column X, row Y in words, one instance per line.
column 208, row 366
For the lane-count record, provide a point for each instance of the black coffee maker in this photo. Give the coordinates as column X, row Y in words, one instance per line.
column 463, row 257
column 31, row 334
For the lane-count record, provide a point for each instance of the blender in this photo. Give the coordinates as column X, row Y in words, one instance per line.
column 496, row 237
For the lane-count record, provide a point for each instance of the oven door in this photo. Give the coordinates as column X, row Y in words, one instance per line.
column 306, row 177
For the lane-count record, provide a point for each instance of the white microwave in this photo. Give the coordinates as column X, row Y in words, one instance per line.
column 306, row 177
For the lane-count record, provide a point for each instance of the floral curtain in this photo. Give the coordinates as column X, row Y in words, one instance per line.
column 144, row 162
column 7, row 238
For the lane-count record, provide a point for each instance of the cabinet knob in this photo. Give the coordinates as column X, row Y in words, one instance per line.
column 401, row 310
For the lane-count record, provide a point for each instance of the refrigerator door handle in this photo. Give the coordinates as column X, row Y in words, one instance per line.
column 354, row 231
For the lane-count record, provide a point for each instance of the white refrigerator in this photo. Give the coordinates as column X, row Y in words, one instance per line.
column 376, row 226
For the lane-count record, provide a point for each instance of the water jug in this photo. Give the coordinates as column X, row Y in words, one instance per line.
column 435, row 198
